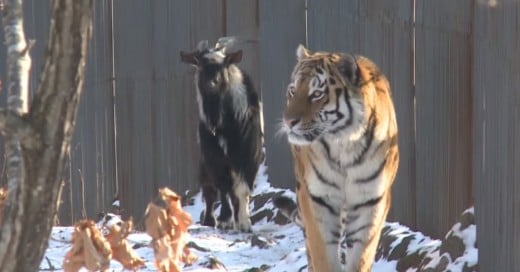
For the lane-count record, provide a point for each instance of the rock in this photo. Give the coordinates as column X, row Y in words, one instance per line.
column 415, row 252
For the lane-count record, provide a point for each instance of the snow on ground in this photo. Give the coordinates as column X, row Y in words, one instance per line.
column 271, row 246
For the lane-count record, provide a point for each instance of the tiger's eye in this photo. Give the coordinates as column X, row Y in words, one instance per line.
column 317, row 95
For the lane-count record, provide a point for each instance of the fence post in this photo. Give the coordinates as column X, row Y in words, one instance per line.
column 496, row 108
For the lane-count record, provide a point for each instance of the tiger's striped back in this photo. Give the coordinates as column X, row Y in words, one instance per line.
column 341, row 126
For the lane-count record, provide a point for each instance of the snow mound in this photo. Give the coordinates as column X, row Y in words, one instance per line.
column 276, row 245
column 412, row 251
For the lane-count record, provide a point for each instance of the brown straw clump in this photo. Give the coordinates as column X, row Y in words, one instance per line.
column 122, row 251
column 167, row 224
column 89, row 249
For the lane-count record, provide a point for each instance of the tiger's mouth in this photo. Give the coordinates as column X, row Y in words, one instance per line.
column 303, row 137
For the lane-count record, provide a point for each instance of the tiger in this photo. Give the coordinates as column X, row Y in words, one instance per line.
column 341, row 127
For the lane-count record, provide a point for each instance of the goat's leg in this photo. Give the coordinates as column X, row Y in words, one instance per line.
column 240, row 200
column 209, row 193
column 225, row 220
column 225, row 184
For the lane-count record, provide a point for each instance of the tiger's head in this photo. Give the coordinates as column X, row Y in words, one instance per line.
column 323, row 96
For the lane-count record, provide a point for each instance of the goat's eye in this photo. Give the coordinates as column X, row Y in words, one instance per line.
column 290, row 91
column 316, row 95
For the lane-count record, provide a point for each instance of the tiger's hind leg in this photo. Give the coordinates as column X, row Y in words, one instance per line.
column 362, row 231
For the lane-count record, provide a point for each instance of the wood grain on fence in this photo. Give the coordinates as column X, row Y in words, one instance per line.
column 91, row 185
column 496, row 108
column 282, row 28
column 443, row 113
column 156, row 115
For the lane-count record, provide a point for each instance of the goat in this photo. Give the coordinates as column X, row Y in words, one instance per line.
column 230, row 133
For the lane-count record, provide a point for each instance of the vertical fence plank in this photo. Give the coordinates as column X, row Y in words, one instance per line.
column 133, row 102
column 382, row 31
column 92, row 181
column 443, row 112
column 156, row 116
column 242, row 21
column 324, row 32
column 496, row 83
column 282, row 28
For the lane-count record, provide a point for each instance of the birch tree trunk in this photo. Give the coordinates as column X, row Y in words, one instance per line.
column 38, row 137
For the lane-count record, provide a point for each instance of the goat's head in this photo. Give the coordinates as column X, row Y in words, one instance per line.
column 212, row 64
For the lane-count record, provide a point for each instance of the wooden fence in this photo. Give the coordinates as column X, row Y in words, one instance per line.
column 454, row 67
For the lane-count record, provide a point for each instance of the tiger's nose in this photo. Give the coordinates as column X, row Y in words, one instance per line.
column 291, row 122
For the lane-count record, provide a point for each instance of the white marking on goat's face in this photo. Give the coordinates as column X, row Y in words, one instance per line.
column 215, row 57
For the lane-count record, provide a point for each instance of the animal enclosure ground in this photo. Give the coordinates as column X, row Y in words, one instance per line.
column 270, row 247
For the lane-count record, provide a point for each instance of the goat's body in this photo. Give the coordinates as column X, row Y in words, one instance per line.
column 230, row 138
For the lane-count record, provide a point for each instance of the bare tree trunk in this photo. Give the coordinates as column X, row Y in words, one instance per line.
column 44, row 133
column 18, row 67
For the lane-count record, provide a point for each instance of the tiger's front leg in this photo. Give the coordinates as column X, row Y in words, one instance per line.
column 322, row 233
column 362, row 231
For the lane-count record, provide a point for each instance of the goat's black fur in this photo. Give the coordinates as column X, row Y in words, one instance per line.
column 230, row 134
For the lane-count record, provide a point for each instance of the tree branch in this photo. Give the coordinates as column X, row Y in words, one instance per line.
column 18, row 59
column 13, row 125
column 18, row 68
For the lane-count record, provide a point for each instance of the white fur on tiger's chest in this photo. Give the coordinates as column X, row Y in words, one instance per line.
column 338, row 168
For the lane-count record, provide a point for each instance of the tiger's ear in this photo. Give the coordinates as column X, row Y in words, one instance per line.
column 302, row 52
column 348, row 67
column 190, row 58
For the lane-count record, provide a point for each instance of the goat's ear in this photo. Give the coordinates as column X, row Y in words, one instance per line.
column 348, row 67
column 302, row 52
column 190, row 58
column 234, row 57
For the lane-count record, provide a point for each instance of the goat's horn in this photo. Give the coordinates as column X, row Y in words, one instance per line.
column 224, row 43
column 203, row 45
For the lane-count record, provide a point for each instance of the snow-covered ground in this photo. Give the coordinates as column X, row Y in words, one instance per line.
column 280, row 247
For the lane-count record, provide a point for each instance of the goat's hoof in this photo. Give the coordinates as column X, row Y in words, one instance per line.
column 245, row 226
column 226, row 225
column 209, row 221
